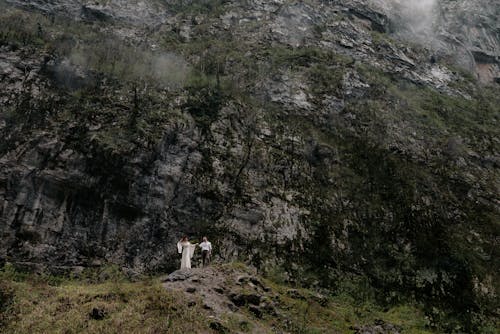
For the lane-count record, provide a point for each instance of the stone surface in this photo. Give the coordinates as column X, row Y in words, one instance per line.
column 380, row 327
column 82, row 206
column 97, row 314
column 240, row 297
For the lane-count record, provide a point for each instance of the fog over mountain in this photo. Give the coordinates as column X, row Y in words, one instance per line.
column 457, row 29
column 413, row 18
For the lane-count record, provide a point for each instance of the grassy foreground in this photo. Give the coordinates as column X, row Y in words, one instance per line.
column 110, row 304
column 33, row 305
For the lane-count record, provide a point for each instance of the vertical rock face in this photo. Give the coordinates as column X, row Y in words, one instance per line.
column 464, row 30
column 336, row 138
column 478, row 26
column 67, row 208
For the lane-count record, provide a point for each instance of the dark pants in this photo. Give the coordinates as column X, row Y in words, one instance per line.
column 205, row 256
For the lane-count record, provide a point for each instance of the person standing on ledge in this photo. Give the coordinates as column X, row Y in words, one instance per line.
column 187, row 249
column 206, row 251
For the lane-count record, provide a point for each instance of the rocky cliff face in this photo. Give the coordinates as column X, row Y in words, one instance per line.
column 331, row 138
column 467, row 31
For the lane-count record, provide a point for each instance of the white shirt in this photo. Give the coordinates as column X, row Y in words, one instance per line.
column 206, row 246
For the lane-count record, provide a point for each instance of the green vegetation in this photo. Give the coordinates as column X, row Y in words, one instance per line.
column 392, row 210
column 106, row 90
column 305, row 56
column 342, row 313
column 20, row 29
column 386, row 234
column 32, row 304
column 326, row 80
column 435, row 113
column 104, row 301
column 91, row 49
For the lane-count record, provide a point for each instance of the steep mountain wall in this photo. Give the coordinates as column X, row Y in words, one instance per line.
column 467, row 31
column 325, row 139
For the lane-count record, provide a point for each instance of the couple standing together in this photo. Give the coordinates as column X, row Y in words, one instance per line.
column 187, row 249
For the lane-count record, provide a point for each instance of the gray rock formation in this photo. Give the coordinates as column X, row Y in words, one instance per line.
column 299, row 134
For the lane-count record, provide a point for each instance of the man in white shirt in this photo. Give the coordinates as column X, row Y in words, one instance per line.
column 206, row 251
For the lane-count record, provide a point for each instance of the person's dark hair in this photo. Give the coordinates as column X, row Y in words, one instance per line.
column 184, row 238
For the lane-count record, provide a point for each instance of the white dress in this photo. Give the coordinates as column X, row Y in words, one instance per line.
column 187, row 250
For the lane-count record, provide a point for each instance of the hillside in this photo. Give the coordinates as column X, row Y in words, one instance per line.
column 230, row 298
column 332, row 143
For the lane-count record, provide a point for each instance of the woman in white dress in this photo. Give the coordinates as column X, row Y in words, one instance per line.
column 187, row 249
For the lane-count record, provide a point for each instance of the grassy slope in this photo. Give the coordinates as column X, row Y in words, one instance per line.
column 46, row 304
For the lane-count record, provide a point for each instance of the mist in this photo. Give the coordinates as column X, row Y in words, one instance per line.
column 412, row 19
column 118, row 60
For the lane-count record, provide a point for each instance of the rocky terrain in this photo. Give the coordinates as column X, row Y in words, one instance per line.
column 229, row 298
column 337, row 143
column 235, row 295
